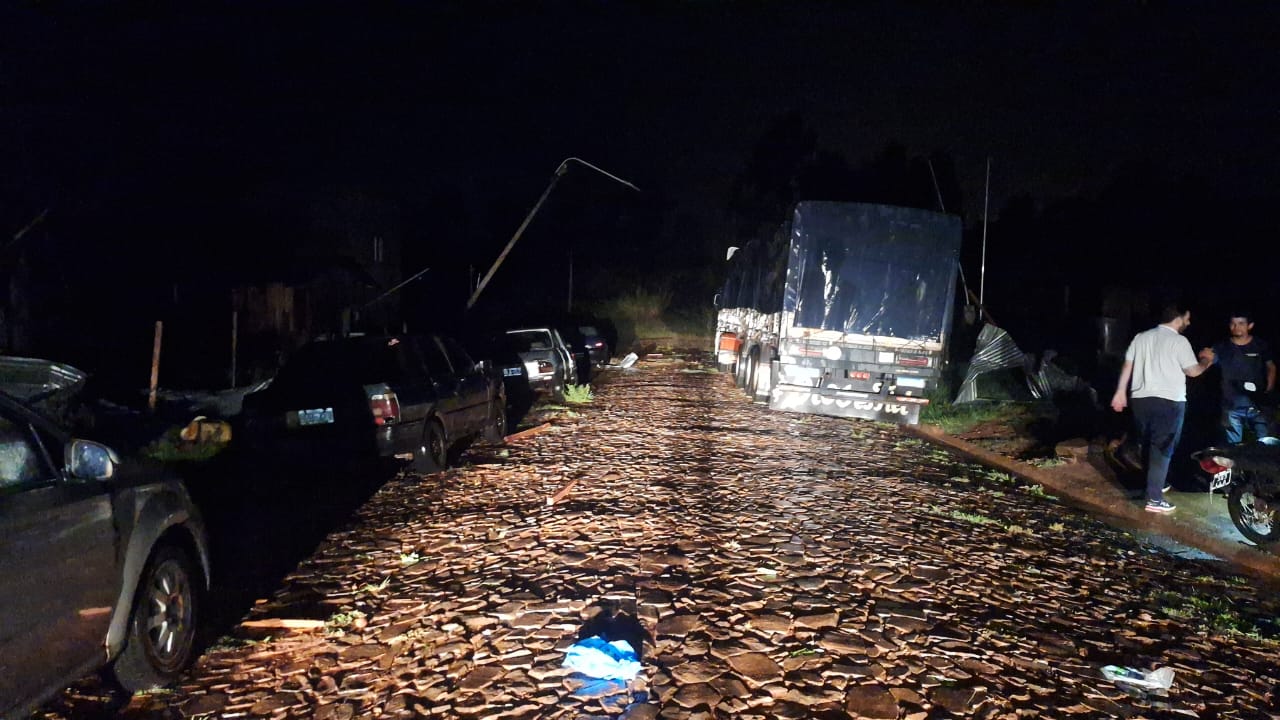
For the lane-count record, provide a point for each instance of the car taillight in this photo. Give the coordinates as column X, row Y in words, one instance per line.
column 1215, row 464
column 545, row 366
column 385, row 408
column 598, row 345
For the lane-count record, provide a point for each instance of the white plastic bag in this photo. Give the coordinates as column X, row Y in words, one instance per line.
column 1158, row 679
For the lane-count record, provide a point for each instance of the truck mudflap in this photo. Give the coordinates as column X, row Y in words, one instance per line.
column 840, row 403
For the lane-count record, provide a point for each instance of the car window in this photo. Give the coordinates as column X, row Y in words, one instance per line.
column 462, row 362
column 538, row 340
column 364, row 360
column 21, row 463
column 438, row 366
column 588, row 330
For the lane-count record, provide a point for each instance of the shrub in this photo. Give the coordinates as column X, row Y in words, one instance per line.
column 578, row 394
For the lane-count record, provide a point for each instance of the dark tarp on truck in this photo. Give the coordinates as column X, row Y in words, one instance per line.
column 875, row 270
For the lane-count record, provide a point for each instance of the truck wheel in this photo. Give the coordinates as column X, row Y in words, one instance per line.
column 162, row 624
column 753, row 373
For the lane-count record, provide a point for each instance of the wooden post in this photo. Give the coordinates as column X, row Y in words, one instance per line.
column 155, row 365
column 235, row 326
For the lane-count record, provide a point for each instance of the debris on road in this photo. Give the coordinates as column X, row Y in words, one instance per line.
column 598, row 658
column 282, row 624
column 1158, row 679
column 775, row 566
column 562, row 493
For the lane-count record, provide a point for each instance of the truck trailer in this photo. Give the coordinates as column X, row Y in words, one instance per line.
column 845, row 310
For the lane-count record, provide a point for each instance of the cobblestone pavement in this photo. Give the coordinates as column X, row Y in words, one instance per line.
column 774, row 566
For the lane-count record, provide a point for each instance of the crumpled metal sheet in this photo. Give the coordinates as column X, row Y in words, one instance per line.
column 995, row 350
column 878, row 270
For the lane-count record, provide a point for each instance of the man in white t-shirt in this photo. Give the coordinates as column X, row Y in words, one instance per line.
column 1158, row 361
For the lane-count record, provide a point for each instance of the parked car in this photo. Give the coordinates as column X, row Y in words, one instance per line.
column 547, row 359
column 577, row 346
column 408, row 397
column 597, row 347
column 502, row 351
column 104, row 561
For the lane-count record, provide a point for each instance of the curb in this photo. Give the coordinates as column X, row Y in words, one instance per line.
column 1126, row 515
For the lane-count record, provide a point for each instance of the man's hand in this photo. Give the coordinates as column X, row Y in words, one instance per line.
column 1119, row 402
column 1206, row 356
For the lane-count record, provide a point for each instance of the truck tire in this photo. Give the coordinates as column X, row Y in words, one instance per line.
column 753, row 373
column 740, row 370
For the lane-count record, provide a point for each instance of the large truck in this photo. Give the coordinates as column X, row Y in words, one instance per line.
column 844, row 311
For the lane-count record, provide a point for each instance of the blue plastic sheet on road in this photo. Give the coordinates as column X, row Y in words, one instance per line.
column 597, row 658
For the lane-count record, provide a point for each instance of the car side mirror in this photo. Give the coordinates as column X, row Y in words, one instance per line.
column 90, row 461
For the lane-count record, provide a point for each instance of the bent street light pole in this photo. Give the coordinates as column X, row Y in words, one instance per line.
column 561, row 170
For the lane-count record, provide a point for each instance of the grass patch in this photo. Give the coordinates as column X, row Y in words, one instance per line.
column 338, row 622
column 957, row 418
column 1038, row 491
column 578, row 394
column 998, row 477
column 229, row 642
column 1045, row 463
column 1214, row 615
column 961, row 515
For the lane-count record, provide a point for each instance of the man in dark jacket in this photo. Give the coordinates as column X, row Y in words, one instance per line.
column 1248, row 374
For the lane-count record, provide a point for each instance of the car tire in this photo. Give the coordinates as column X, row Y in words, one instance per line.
column 161, row 638
column 433, row 453
column 495, row 431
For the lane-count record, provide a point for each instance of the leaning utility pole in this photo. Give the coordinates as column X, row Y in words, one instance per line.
column 561, row 170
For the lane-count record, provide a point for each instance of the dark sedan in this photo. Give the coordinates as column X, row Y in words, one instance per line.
column 408, row 397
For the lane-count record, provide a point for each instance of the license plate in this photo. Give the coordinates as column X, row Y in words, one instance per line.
column 511, row 372
column 315, row 416
column 1220, row 480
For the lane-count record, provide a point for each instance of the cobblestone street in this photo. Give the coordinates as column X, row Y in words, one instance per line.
column 775, row 565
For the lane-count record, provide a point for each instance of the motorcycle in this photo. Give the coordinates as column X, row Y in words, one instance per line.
column 1251, row 475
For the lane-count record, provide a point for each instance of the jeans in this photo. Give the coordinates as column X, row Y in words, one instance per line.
column 1234, row 420
column 1159, row 424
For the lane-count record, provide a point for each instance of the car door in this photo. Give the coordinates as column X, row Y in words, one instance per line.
column 59, row 573
column 444, row 380
column 473, row 386
column 570, row 363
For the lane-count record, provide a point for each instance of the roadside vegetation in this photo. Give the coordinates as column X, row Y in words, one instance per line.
column 644, row 316
column 956, row 418
column 578, row 394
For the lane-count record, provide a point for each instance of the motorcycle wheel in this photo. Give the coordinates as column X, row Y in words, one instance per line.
column 1254, row 516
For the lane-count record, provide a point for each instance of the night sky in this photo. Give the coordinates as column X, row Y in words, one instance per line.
column 159, row 131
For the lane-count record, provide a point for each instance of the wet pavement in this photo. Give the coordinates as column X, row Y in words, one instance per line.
column 767, row 565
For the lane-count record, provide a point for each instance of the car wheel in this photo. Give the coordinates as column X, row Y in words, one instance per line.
column 496, row 429
column 433, row 454
column 162, row 625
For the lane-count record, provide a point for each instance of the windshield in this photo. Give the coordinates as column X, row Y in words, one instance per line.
column 532, row 340
column 361, row 360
